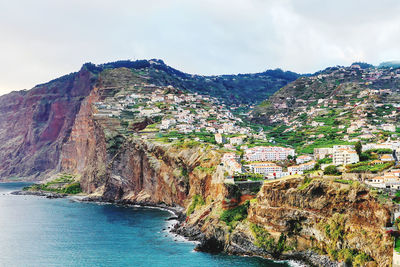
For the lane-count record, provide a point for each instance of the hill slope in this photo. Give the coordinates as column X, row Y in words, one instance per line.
column 340, row 103
column 232, row 89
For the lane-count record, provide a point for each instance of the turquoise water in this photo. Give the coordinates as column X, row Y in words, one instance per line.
column 36, row 231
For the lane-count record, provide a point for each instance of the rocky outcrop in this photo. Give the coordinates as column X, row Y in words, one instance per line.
column 321, row 222
column 325, row 215
column 145, row 172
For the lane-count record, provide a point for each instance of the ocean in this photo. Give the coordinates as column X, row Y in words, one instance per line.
column 35, row 231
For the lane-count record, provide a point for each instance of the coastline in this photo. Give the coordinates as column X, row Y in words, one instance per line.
column 192, row 233
column 246, row 249
column 39, row 193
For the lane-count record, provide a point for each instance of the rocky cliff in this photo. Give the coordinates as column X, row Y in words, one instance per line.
column 151, row 173
column 34, row 124
column 293, row 219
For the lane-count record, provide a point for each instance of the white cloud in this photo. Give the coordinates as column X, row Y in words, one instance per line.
column 44, row 39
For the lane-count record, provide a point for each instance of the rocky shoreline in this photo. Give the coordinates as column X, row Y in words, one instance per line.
column 178, row 211
column 39, row 193
column 242, row 246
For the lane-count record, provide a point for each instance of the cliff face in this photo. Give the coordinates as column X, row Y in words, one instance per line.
column 144, row 172
column 288, row 219
column 326, row 215
column 35, row 123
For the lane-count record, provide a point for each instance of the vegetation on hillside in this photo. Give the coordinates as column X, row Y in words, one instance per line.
column 64, row 184
column 241, row 88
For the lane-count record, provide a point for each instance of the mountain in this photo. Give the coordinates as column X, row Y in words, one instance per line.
column 390, row 64
column 232, row 89
column 36, row 123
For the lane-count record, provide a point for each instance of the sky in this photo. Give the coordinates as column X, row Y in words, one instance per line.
column 43, row 39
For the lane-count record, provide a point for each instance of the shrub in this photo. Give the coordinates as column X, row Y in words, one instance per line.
column 331, row 170
column 306, row 182
column 266, row 242
column 325, row 161
column 197, row 200
column 346, row 255
column 236, row 214
column 342, row 181
column 74, row 188
column 397, row 244
column 361, row 259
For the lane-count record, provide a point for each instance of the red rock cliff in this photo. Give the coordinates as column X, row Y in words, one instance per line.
column 34, row 124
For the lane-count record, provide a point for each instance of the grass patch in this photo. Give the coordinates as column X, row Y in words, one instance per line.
column 197, row 201
column 397, row 245
column 265, row 241
column 306, row 182
column 342, row 181
column 365, row 166
column 208, row 170
column 239, row 213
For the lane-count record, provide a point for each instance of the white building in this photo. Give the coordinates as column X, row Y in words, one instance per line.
column 268, row 153
column 344, row 156
column 229, row 156
column 299, row 169
column 232, row 166
column 389, row 180
column 167, row 123
column 147, row 112
column 219, row 138
column 185, row 128
column 236, row 141
column 265, row 168
column 387, row 158
column 211, row 129
column 388, row 127
column 303, row 159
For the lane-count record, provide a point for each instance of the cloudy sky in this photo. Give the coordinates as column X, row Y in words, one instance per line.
column 44, row 39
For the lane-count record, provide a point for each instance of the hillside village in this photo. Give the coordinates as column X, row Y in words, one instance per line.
column 253, row 153
column 340, row 105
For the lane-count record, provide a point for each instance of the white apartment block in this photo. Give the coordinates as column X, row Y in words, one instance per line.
column 344, row 156
column 303, row 159
column 219, row 138
column 235, row 141
column 268, row 153
column 265, row 168
column 232, row 166
column 389, row 180
column 299, row 169
column 167, row 123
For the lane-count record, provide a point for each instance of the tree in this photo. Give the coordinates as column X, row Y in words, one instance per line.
column 358, row 148
column 317, row 166
column 331, row 170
